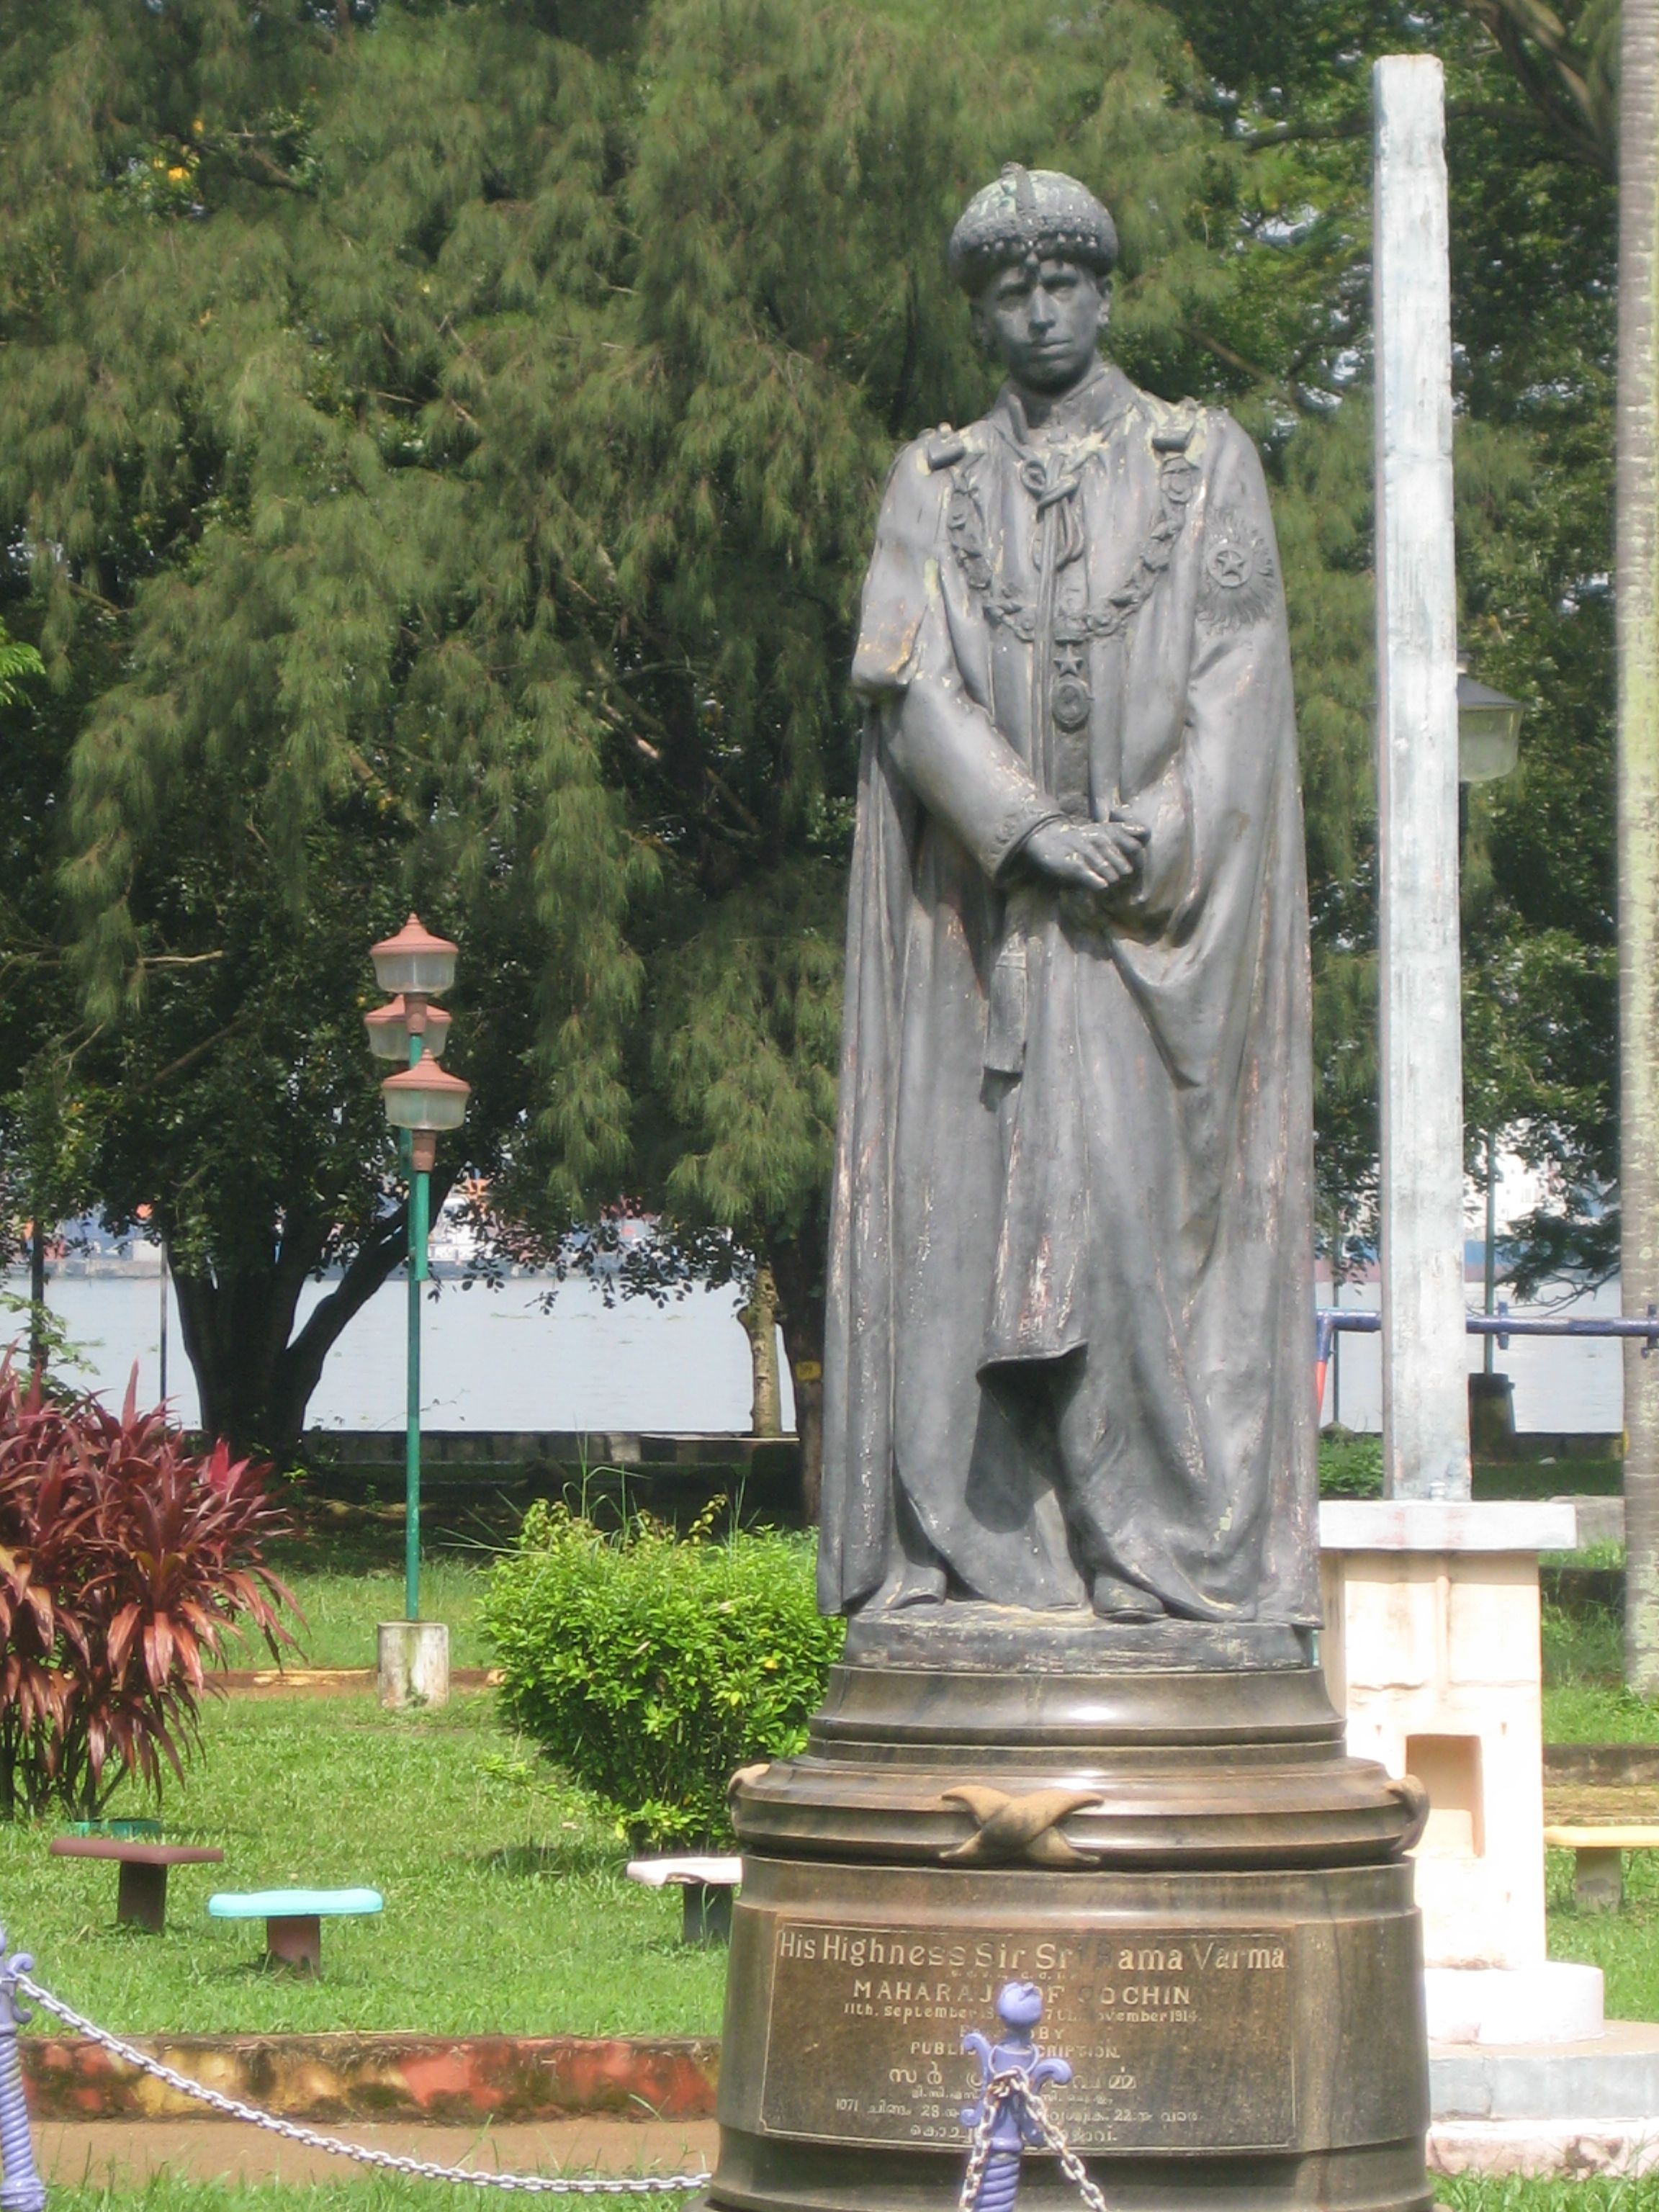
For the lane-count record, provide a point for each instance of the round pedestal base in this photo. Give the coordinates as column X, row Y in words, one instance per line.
column 1210, row 1894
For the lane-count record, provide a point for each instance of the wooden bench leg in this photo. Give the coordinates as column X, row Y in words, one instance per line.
column 1599, row 1881
column 141, row 1901
column 705, row 1912
column 295, row 1939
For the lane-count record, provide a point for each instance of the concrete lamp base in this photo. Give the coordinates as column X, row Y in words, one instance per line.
column 412, row 1663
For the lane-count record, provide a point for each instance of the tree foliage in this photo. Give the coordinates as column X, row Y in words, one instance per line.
column 439, row 444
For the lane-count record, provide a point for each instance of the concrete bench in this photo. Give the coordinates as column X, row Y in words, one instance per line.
column 704, row 1884
column 141, row 1898
column 1599, row 1874
column 294, row 1917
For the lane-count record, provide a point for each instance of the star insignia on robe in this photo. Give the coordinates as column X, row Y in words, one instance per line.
column 1236, row 584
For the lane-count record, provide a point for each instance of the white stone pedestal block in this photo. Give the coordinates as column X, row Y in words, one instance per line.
column 412, row 1663
column 1431, row 1649
column 1553, row 2002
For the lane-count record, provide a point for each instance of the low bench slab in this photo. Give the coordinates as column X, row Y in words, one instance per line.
column 705, row 1882
column 1599, row 1867
column 294, row 1917
column 141, row 1900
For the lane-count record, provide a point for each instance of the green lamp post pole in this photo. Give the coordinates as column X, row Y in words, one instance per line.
column 421, row 1100
column 420, row 1199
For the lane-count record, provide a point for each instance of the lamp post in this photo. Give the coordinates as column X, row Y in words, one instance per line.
column 1488, row 748
column 421, row 1100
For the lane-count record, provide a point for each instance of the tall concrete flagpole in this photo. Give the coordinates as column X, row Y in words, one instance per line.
column 1426, row 1438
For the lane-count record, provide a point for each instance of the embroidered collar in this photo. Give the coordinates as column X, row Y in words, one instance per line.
column 1088, row 412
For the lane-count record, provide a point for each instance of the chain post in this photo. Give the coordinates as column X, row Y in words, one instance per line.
column 21, row 2189
column 1010, row 2113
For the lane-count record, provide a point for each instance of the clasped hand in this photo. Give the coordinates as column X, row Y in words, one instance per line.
column 1091, row 856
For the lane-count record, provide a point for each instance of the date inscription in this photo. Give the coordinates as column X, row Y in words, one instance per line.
column 1179, row 2039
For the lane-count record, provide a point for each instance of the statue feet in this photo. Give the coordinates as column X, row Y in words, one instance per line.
column 1115, row 1600
column 914, row 1582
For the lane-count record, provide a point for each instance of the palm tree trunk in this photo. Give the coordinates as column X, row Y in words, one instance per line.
column 1638, row 618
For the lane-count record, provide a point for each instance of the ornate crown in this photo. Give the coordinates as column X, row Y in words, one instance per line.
column 1029, row 211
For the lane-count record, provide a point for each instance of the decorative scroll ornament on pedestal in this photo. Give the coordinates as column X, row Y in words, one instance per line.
column 1024, row 1828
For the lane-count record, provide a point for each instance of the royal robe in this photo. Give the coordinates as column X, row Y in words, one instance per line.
column 1069, row 1326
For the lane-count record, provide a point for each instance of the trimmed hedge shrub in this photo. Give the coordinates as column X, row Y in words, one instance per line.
column 650, row 1666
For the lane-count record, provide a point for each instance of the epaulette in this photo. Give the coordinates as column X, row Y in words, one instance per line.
column 1178, row 432
column 943, row 448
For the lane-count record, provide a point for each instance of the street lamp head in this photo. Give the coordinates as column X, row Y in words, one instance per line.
column 1488, row 731
column 414, row 960
column 391, row 1026
column 422, row 1097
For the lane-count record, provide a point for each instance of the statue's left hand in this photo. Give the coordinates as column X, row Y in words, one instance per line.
column 1094, row 856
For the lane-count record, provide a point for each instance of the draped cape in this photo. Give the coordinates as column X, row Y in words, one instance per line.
column 1070, row 1297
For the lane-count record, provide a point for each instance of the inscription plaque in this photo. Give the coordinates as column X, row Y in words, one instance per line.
column 1180, row 2038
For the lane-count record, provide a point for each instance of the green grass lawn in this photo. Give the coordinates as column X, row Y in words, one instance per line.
column 507, row 1908
column 342, row 1605
column 1480, row 2193
column 384, row 2193
column 1463, row 2194
column 1585, row 1701
column 1623, row 1944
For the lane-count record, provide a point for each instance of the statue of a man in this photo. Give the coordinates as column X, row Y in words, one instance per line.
column 1069, row 1352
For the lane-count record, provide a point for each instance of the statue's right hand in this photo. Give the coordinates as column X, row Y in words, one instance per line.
column 1091, row 856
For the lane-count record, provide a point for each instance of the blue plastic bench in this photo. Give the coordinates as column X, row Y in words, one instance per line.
column 293, row 1918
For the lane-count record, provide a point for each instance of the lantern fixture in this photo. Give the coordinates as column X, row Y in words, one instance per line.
column 414, row 960
column 424, row 1100
column 390, row 1027
column 1488, row 731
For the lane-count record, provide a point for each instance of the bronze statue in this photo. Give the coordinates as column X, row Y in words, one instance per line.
column 1069, row 1354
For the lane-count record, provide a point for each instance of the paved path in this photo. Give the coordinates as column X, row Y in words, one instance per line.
column 331, row 1682
column 125, row 2153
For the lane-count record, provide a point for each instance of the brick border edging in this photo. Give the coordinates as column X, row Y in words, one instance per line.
column 392, row 2076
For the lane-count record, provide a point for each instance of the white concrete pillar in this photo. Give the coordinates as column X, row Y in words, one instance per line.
column 412, row 1663
column 1425, row 1430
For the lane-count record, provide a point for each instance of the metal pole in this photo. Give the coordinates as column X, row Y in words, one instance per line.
column 1425, row 1429
column 22, row 2189
column 417, row 1207
column 163, row 1270
column 1492, row 1238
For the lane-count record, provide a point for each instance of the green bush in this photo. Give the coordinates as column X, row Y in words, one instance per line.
column 1349, row 1466
column 649, row 1666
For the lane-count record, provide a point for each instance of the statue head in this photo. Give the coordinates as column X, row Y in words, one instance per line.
column 1034, row 251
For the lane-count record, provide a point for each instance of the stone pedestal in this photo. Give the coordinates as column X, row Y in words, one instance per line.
column 1431, row 1649
column 412, row 1663
column 1159, row 1826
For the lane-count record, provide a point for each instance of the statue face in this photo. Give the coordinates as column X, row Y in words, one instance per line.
column 1043, row 320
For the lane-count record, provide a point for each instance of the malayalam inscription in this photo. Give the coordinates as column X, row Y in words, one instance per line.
column 1179, row 2039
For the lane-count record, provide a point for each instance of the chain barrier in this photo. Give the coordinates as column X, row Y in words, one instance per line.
column 17, row 1975
column 1070, row 2164
column 1010, row 2115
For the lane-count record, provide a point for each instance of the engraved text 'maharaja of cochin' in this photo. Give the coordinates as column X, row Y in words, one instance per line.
column 1180, row 2038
